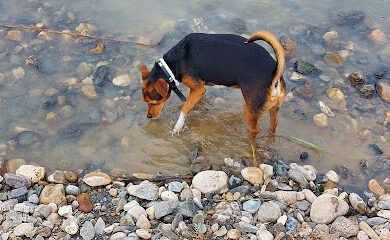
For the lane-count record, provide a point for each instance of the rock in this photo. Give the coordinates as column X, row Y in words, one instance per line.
column 305, row 229
column 346, row 227
column 287, row 197
column 385, row 234
column 264, row 234
column 306, row 91
column 16, row 181
column 289, row 46
column 210, row 181
column 143, row 222
column 127, row 220
column 70, row 225
column 309, row 195
column 122, row 80
column 251, row 206
column 326, row 208
column 145, row 190
column 235, row 181
column 95, row 179
column 14, row 35
column 84, row 201
column 321, row 120
column 65, row 211
column 375, row 221
column 187, row 209
column 356, row 79
column 306, row 68
column 57, row 177
column 333, row 59
column 357, row 203
column 52, row 194
column 221, row 232
column 296, row 76
column 175, row 186
column 298, row 177
column 384, row 214
column 31, row 172
column 70, row 176
column 14, row 164
column 332, row 176
column 367, row 229
column 83, row 70
column 18, row 73
column 331, row 39
column 374, row 187
column 246, row 227
column 335, row 94
column 233, row 234
column 89, row 91
column 367, row 91
column 384, row 91
column 377, row 36
column 33, row 199
column 169, row 195
column 143, row 234
column 362, row 236
column 99, row 226
column 164, row 208
column 72, row 190
column 87, row 231
column 23, row 229
column 269, row 212
column 253, row 175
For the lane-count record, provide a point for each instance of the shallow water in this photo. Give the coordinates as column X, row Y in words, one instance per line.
column 126, row 139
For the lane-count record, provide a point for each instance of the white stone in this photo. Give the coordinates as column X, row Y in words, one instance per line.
column 70, row 225
column 143, row 222
column 326, row 208
column 18, row 72
column 309, row 195
column 23, row 228
column 122, row 80
column 65, row 211
column 210, row 181
column 31, row 172
column 332, row 176
column 169, row 195
column 143, row 234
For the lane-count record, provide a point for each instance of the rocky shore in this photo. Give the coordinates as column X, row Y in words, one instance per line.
column 240, row 201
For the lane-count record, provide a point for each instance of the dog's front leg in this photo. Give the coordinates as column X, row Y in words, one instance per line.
column 197, row 90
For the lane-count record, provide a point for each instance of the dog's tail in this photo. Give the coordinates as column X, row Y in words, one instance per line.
column 279, row 52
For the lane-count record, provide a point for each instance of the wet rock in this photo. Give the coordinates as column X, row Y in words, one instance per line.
column 145, row 190
column 16, row 181
column 298, row 177
column 304, row 156
column 57, row 177
column 376, row 148
column 356, row 78
column 269, row 212
column 321, row 120
column 367, row 91
column 331, row 39
column 122, row 80
column 84, row 201
column 377, row 36
column 83, row 70
column 48, row 66
column 31, row 172
column 326, row 208
column 335, row 94
column 307, row 171
column 251, row 206
column 89, row 91
column 289, row 46
column 384, row 91
column 18, row 73
column 332, row 176
column 27, row 138
column 350, row 18
column 306, row 91
column 200, row 164
column 52, row 194
column 333, row 59
column 210, row 181
column 95, row 179
column 346, row 227
column 14, row 35
column 381, row 164
column 306, row 68
column 100, row 75
column 357, row 203
column 374, row 187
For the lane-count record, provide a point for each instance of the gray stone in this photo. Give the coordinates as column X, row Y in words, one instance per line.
column 346, row 227
column 145, row 190
column 175, row 223
column 384, row 205
column 8, row 205
column 175, row 186
column 246, row 227
column 42, row 211
column 375, row 221
column 252, row 205
column 87, row 231
column 126, row 220
column 357, row 203
column 298, row 177
column 16, row 181
column 18, row 193
column 221, row 232
column 235, row 181
column 164, row 208
column 241, row 189
column 99, row 226
column 269, row 212
column 72, row 190
column 33, row 199
column 291, row 225
column 187, row 209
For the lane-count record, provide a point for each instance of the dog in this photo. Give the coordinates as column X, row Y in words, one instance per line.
column 200, row 60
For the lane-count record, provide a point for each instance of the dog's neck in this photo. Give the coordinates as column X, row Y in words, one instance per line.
column 157, row 72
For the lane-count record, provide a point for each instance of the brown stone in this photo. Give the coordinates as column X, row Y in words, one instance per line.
column 70, row 176
column 84, row 201
column 99, row 48
column 53, row 194
column 377, row 36
column 14, row 164
column 384, row 91
column 14, row 35
column 306, row 91
column 374, row 187
column 333, row 59
column 289, row 46
column 56, row 177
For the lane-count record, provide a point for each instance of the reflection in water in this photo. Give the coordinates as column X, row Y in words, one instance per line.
column 112, row 131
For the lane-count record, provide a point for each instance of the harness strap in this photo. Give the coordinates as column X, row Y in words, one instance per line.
column 171, row 80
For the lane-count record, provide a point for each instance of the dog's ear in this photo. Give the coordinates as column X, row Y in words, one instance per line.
column 144, row 72
column 162, row 87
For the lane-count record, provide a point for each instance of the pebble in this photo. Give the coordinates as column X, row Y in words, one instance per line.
column 122, row 80
column 119, row 235
column 83, row 70
column 326, row 208
column 384, row 91
column 345, row 226
column 298, row 177
column 332, row 176
column 368, row 230
column 169, row 195
column 14, row 163
column 145, row 190
column 175, row 186
column 31, row 172
column 16, row 181
column 374, row 187
column 87, row 231
column 253, row 175
column 56, row 177
column 377, row 36
column 23, row 229
column 72, row 190
column 143, row 222
column 18, row 73
column 233, row 234
column 251, row 206
column 14, row 35
column 84, row 203
column 357, row 203
column 321, row 120
column 210, row 181
column 52, row 194
column 70, row 225
column 144, row 234
column 89, row 91
column 269, row 212
column 95, row 179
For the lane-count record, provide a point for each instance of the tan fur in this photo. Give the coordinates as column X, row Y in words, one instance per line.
column 197, row 90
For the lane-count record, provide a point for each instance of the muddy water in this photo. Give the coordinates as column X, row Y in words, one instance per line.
column 112, row 131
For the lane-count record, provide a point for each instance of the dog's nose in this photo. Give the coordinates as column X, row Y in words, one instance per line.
column 149, row 116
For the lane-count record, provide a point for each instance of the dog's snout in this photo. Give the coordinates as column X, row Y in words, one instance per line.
column 149, row 116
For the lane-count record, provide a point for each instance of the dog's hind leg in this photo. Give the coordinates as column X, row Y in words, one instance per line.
column 197, row 90
column 251, row 121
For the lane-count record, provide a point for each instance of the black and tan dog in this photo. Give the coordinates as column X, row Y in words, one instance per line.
column 221, row 59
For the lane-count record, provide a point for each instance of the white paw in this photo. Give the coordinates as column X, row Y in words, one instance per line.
column 176, row 131
column 179, row 126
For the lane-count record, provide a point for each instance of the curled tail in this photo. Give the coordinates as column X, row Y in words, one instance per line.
column 279, row 52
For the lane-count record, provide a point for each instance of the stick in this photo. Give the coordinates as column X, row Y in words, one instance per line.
column 37, row 29
column 157, row 179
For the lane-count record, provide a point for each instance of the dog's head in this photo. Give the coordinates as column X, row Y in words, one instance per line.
column 155, row 92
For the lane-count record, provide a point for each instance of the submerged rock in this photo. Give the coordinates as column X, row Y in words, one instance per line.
column 350, row 18
column 306, row 68
column 289, row 46
column 27, row 138
column 356, row 78
column 367, row 91
column 384, row 91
